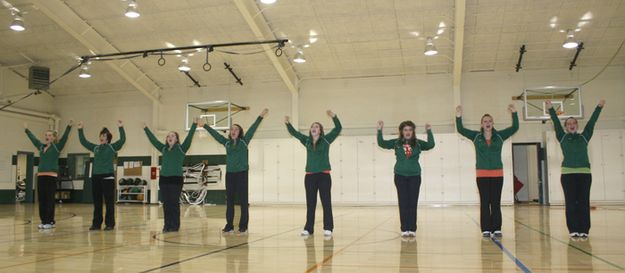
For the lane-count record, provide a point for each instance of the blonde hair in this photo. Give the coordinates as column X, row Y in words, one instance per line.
column 55, row 134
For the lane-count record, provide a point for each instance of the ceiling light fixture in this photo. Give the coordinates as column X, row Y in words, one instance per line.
column 430, row 49
column 570, row 41
column 84, row 71
column 184, row 65
column 268, row 2
column 18, row 20
column 299, row 57
column 131, row 11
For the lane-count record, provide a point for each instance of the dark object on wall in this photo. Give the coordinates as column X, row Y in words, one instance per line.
column 38, row 78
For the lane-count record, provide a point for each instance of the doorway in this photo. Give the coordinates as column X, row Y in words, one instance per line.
column 528, row 170
column 24, row 178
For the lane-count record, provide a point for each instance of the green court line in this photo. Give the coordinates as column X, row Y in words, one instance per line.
column 570, row 245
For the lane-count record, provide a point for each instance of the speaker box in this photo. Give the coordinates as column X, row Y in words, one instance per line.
column 38, row 78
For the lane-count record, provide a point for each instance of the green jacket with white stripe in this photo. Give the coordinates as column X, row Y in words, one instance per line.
column 172, row 157
column 317, row 158
column 575, row 145
column 49, row 158
column 236, row 150
column 103, row 154
column 488, row 157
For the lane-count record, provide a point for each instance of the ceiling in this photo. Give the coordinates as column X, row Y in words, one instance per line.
column 352, row 38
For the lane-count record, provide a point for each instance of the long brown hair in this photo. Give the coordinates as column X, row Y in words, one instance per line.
column 177, row 138
column 321, row 134
column 241, row 133
column 413, row 140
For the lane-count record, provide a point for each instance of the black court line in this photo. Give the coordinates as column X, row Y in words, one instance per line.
column 226, row 248
column 570, row 245
column 217, row 251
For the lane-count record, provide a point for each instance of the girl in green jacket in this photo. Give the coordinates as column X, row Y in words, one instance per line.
column 171, row 179
column 237, row 170
column 103, row 173
column 489, row 167
column 576, row 176
column 48, row 171
column 318, row 168
column 407, row 170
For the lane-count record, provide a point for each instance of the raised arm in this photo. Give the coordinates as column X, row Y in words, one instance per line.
column 32, row 137
column 428, row 145
column 155, row 142
column 250, row 132
column 83, row 140
column 216, row 135
column 470, row 134
column 557, row 125
column 590, row 126
column 334, row 133
column 117, row 145
column 508, row 132
column 384, row 144
column 301, row 137
column 186, row 144
column 61, row 144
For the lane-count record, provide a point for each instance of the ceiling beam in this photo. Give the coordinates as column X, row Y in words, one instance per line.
column 262, row 31
column 78, row 28
column 460, row 13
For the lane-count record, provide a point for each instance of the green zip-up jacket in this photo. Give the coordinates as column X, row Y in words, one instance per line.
column 575, row 145
column 317, row 160
column 172, row 157
column 236, row 150
column 488, row 157
column 406, row 166
column 49, row 158
column 103, row 154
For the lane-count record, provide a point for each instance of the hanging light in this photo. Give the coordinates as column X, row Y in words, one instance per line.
column 299, row 57
column 430, row 49
column 18, row 24
column 184, row 65
column 570, row 40
column 131, row 11
column 84, row 71
column 268, row 2
column 18, row 20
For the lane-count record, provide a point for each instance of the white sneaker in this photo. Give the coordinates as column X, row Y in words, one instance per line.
column 48, row 226
column 304, row 233
column 497, row 233
column 40, row 226
column 405, row 233
column 486, row 234
column 327, row 233
column 583, row 235
column 412, row 234
column 573, row 234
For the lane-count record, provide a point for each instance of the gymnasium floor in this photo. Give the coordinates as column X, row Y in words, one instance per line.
column 366, row 240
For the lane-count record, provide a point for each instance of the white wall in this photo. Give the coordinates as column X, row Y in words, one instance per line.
column 13, row 87
column 605, row 152
column 359, row 103
column 362, row 173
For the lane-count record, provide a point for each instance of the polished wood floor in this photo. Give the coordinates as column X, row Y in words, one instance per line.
column 366, row 239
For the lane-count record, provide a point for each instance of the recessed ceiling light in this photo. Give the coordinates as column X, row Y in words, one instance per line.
column 268, row 2
column 184, row 65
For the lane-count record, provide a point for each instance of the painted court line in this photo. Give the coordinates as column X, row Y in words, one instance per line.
column 498, row 243
column 329, row 257
column 570, row 245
